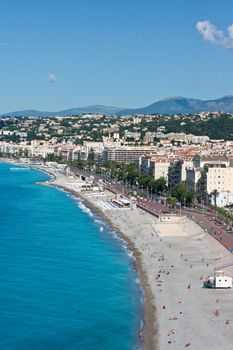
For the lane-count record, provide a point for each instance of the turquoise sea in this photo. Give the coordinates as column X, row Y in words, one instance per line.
column 67, row 282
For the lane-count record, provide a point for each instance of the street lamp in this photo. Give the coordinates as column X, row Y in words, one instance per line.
column 202, row 205
column 180, row 208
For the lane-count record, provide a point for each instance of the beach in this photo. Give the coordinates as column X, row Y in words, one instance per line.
column 172, row 259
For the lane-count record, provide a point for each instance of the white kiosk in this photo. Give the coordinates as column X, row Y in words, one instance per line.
column 219, row 280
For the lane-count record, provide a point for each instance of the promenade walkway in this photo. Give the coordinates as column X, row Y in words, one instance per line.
column 207, row 222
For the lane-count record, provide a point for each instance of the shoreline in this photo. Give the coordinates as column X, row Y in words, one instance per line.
column 149, row 309
column 168, row 257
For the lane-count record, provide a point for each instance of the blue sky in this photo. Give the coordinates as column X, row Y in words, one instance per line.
column 58, row 54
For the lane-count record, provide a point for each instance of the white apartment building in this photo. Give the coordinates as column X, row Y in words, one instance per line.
column 42, row 150
column 215, row 179
column 220, row 178
column 198, row 139
column 15, row 149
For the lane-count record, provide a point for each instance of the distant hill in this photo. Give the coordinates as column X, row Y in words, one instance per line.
column 99, row 109
column 174, row 105
column 26, row 113
column 171, row 105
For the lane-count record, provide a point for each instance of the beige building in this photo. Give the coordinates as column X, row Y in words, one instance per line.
column 154, row 166
column 219, row 177
column 215, row 178
column 209, row 174
column 125, row 154
column 159, row 168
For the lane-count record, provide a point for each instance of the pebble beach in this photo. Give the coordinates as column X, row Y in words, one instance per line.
column 173, row 259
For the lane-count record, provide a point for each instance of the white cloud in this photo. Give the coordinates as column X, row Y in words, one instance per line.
column 213, row 35
column 52, row 78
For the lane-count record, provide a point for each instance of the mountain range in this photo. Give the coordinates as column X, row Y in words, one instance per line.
column 175, row 105
column 99, row 109
column 171, row 105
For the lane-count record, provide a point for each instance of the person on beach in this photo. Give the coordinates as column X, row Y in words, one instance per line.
column 140, row 335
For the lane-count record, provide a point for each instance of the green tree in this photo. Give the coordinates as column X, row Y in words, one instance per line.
column 91, row 158
column 171, row 201
column 182, row 194
column 215, row 194
column 179, row 192
column 52, row 158
column 132, row 172
column 160, row 185
column 79, row 164
column 144, row 180
column 152, row 185
column 189, row 197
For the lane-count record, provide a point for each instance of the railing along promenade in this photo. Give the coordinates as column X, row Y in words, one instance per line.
column 207, row 222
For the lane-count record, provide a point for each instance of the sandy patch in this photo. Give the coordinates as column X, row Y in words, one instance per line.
column 170, row 230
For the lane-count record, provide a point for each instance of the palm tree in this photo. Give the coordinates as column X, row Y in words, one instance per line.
column 215, row 193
